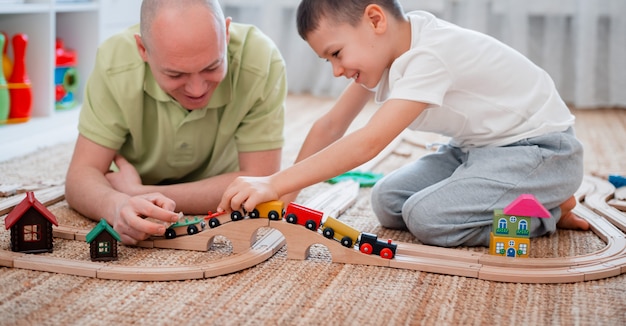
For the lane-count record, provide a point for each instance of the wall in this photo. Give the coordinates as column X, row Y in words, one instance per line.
column 580, row 43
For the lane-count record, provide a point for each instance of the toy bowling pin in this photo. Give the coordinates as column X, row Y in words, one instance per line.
column 4, row 91
column 7, row 65
column 19, row 83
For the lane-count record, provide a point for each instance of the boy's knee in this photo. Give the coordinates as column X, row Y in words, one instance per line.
column 386, row 212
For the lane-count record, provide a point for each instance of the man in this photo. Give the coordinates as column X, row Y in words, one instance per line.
column 181, row 109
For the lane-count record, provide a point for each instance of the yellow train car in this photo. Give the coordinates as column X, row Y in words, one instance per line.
column 274, row 210
column 335, row 229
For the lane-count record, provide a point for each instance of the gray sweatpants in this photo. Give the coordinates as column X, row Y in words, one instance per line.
column 447, row 198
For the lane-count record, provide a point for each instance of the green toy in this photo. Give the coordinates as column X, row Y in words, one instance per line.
column 4, row 89
column 365, row 179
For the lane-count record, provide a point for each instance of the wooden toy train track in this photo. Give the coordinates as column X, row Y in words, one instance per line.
column 608, row 223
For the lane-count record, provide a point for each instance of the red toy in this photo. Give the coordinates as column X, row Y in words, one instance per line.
column 19, row 83
column 65, row 77
column 310, row 218
column 31, row 226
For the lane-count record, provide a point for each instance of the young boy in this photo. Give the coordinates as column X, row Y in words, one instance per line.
column 510, row 131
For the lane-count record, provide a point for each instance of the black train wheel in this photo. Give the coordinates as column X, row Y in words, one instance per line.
column 292, row 218
column 192, row 229
column 346, row 242
column 214, row 222
column 311, row 225
column 328, row 233
column 273, row 215
column 170, row 234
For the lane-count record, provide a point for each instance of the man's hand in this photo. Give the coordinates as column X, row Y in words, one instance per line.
column 126, row 180
column 130, row 220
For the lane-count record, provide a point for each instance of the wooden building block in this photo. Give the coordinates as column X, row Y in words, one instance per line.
column 81, row 235
column 64, row 232
column 46, row 196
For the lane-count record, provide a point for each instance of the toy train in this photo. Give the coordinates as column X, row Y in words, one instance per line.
column 331, row 228
column 311, row 219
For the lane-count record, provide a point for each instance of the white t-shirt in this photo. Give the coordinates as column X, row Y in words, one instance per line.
column 480, row 91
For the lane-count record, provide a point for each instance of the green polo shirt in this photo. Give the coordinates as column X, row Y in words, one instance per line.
column 126, row 110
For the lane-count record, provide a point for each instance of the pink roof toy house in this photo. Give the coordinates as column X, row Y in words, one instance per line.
column 31, row 226
column 510, row 232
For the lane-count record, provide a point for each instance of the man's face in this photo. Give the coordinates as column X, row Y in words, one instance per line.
column 351, row 50
column 188, row 65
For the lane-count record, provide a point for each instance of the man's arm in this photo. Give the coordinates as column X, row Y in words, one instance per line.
column 88, row 191
column 201, row 196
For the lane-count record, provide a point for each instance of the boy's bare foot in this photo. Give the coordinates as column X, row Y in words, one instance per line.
column 570, row 220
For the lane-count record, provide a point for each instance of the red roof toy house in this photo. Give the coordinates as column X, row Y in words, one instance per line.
column 31, row 226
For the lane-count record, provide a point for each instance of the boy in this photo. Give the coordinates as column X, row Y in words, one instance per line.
column 510, row 131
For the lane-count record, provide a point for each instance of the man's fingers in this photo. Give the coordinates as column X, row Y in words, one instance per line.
column 120, row 161
column 156, row 206
column 142, row 228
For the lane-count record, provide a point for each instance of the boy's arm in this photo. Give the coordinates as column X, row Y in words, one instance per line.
column 343, row 155
column 332, row 125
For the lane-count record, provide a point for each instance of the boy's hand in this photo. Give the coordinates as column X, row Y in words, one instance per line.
column 130, row 220
column 247, row 192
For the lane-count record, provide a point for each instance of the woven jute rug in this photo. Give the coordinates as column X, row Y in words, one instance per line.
column 281, row 291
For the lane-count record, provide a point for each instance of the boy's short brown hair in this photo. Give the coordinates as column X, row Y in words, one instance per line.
column 311, row 12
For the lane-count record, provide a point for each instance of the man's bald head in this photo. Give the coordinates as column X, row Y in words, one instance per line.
column 150, row 9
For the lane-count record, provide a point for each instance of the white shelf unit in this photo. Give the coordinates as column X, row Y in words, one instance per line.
column 79, row 25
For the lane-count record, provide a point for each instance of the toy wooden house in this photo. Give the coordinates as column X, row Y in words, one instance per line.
column 31, row 226
column 510, row 232
column 102, row 241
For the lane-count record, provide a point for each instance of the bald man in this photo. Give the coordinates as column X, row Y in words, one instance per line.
column 175, row 109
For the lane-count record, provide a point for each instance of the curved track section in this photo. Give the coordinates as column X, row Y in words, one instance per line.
column 254, row 254
column 606, row 222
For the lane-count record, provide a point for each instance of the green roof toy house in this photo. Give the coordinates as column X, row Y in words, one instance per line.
column 103, row 242
column 31, row 226
column 510, row 232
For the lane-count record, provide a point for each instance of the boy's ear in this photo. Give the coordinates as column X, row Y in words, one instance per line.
column 376, row 17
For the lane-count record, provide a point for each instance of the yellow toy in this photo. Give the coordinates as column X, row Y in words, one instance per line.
column 510, row 232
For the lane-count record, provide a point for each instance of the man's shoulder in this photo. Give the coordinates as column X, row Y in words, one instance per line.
column 251, row 48
column 119, row 52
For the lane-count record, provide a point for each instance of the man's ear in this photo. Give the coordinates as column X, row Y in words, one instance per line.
column 376, row 17
column 141, row 48
column 228, row 20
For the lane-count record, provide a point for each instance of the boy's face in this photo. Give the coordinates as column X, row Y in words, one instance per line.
column 353, row 51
